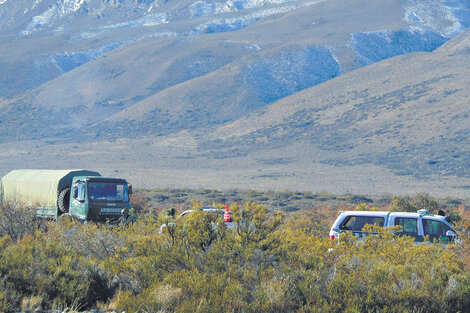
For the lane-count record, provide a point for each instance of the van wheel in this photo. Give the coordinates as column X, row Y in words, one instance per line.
column 63, row 200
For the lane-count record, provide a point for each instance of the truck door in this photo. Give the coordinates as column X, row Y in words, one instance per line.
column 78, row 200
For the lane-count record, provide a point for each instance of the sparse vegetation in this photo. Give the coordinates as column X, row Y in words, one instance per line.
column 273, row 261
column 276, row 200
column 289, row 201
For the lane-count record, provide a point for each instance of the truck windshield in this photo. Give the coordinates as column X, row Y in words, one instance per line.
column 107, row 191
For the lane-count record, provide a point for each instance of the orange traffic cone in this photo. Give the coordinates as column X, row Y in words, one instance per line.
column 227, row 214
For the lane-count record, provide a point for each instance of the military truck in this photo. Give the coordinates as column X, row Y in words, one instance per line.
column 81, row 194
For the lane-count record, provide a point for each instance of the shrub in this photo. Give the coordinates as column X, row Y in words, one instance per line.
column 412, row 204
column 253, row 221
column 42, row 266
column 139, row 202
column 17, row 220
column 267, row 263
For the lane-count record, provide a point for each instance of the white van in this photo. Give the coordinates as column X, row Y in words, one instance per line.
column 416, row 225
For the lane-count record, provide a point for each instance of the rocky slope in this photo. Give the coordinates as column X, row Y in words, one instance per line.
column 274, row 92
column 409, row 113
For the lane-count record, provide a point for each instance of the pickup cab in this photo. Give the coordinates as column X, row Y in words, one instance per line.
column 417, row 225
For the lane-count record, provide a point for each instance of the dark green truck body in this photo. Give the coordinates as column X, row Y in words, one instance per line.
column 82, row 194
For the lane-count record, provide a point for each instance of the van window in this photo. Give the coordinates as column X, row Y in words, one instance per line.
column 357, row 223
column 409, row 225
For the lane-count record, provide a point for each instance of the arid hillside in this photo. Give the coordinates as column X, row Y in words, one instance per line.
column 340, row 96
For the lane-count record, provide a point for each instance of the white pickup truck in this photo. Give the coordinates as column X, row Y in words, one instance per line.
column 417, row 225
column 224, row 214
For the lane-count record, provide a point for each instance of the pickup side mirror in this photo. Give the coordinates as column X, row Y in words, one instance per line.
column 450, row 233
column 129, row 189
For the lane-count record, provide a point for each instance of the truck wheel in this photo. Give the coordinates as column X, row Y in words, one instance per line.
column 63, row 201
column 66, row 218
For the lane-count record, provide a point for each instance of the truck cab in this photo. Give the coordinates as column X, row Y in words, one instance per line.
column 99, row 198
column 81, row 194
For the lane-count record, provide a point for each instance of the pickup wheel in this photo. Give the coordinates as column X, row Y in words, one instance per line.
column 63, row 201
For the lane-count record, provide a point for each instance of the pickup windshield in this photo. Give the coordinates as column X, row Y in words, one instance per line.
column 109, row 191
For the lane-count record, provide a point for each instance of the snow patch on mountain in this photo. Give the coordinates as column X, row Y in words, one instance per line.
column 431, row 24
column 67, row 61
column 66, row 7
column 290, row 71
column 238, row 5
column 148, row 20
column 59, row 9
column 224, row 25
column 376, row 46
column 235, row 23
column 35, row 4
column 205, row 8
column 447, row 18
column 202, row 8
column 39, row 21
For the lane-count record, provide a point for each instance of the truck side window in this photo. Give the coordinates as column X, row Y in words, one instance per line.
column 357, row 223
column 409, row 225
column 79, row 191
column 75, row 191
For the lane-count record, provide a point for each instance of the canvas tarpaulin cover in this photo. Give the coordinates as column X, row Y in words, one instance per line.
column 38, row 187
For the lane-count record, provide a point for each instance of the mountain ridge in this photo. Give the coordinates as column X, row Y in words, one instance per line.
column 422, row 92
column 264, row 93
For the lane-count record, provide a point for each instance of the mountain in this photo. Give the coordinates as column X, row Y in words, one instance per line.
column 408, row 115
column 333, row 95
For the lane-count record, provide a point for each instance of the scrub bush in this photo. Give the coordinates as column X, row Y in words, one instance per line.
column 268, row 262
column 17, row 220
column 41, row 266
